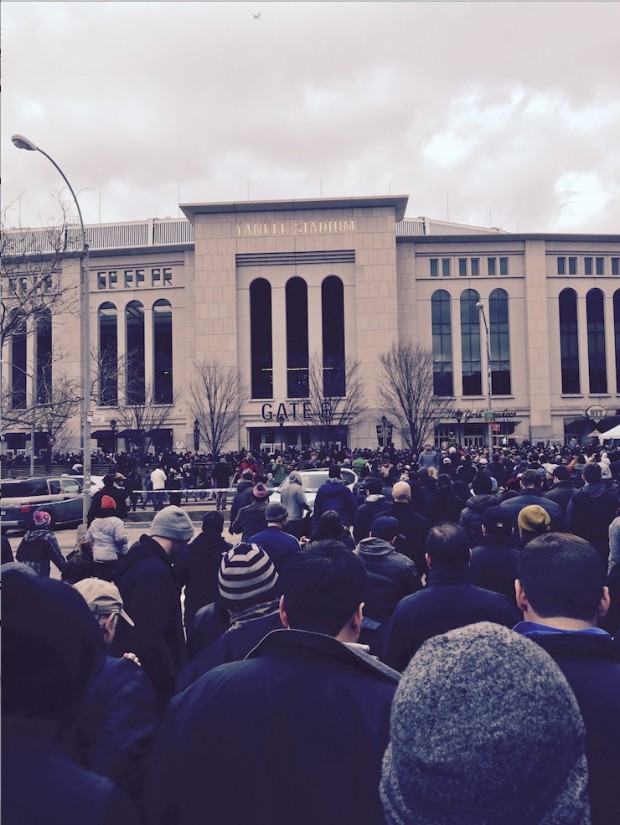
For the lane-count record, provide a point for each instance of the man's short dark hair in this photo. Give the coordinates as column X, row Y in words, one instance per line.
column 447, row 544
column 562, row 575
column 561, row 473
column 373, row 485
column 482, row 484
column 531, row 478
column 333, row 471
column 592, row 473
column 322, row 587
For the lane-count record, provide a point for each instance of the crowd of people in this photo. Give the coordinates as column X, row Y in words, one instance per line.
column 439, row 643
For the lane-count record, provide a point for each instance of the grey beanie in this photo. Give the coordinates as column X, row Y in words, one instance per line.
column 484, row 729
column 172, row 523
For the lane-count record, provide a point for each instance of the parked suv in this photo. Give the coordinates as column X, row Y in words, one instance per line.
column 58, row 496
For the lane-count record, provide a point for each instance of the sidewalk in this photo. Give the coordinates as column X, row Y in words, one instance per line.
column 194, row 509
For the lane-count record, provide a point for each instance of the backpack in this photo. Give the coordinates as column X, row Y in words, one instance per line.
column 35, row 549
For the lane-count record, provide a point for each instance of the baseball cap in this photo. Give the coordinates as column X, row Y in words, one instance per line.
column 102, row 597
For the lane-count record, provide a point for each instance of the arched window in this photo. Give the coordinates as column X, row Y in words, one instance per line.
column 470, row 343
column 597, row 360
column 442, row 343
column 18, row 363
column 163, row 392
column 108, row 355
column 135, row 379
column 261, row 349
column 499, row 333
column 44, row 356
column 569, row 341
column 296, row 338
column 332, row 310
column 617, row 336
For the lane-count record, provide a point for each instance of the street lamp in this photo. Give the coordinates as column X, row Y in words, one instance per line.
column 113, row 423
column 458, row 414
column 196, row 435
column 489, row 414
column 22, row 142
column 281, row 418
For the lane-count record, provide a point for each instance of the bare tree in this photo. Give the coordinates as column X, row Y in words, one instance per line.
column 335, row 397
column 217, row 394
column 31, row 274
column 407, row 392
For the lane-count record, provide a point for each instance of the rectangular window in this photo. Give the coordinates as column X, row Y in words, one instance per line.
column 503, row 266
column 491, row 266
column 445, row 267
column 615, row 266
column 561, row 266
column 101, row 280
column 475, row 266
column 600, row 266
column 462, row 267
column 434, row 267
column 112, row 279
column 587, row 263
column 572, row 266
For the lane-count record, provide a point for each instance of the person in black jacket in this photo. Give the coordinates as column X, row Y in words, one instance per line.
column 50, row 647
column 296, row 732
column 252, row 519
column 591, row 510
column 197, row 566
column 374, row 504
column 450, row 600
column 561, row 591
column 335, row 495
column 412, row 526
column 109, row 489
column 391, row 577
column 243, row 496
column 563, row 487
column 494, row 561
column 150, row 593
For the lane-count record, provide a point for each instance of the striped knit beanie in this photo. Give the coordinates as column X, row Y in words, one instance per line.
column 247, row 577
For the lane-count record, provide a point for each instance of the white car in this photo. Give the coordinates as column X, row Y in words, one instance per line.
column 312, row 480
column 96, row 482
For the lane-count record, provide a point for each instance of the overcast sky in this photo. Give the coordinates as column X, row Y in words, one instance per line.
column 502, row 113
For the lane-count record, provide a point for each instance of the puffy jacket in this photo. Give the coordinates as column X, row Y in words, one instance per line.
column 108, row 538
column 472, row 516
column 390, row 577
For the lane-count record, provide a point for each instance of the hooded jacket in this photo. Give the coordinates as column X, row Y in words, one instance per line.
column 335, row 495
column 390, row 577
column 151, row 597
column 472, row 516
column 196, row 569
column 367, row 512
column 589, row 514
column 293, row 497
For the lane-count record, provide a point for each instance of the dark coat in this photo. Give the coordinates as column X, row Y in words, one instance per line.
column 116, row 725
column 373, row 506
column 561, row 493
column 450, row 600
column 119, row 496
column 196, row 569
column 294, row 734
column 442, row 505
column 590, row 512
column 41, row 785
column 279, row 546
column 414, row 529
column 494, row 564
column 151, row 598
column 524, row 498
column 250, row 519
column 335, row 495
column 472, row 516
column 390, row 577
column 232, row 646
column 242, row 498
column 209, row 623
column 591, row 666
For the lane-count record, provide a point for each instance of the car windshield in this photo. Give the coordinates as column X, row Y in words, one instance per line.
column 27, row 487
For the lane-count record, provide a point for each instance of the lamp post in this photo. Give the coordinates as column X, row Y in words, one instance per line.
column 196, row 435
column 489, row 414
column 22, row 142
column 384, row 426
column 281, row 418
column 458, row 414
column 113, row 423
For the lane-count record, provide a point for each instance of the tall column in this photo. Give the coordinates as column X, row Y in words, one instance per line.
column 457, row 358
column 610, row 344
column 582, row 338
column 121, row 352
column 278, row 315
column 315, row 322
